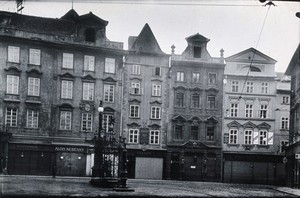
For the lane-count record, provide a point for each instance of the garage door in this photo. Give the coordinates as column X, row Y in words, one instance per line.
column 148, row 168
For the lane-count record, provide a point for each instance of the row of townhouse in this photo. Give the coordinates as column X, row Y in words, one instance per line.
column 180, row 118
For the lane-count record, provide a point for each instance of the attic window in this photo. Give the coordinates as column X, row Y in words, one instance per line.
column 90, row 35
column 197, row 52
column 254, row 69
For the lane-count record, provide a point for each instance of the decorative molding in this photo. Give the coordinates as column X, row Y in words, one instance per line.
column 109, row 79
column 249, row 125
column 234, row 124
column 67, row 75
column 13, row 69
column 264, row 125
column 34, row 72
column 88, row 78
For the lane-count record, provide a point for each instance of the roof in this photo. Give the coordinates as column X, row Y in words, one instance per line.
column 295, row 61
column 250, row 54
column 36, row 24
column 146, row 42
column 197, row 38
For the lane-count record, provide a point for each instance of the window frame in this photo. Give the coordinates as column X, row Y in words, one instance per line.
column 109, row 93
column 249, row 87
column 34, row 89
column 67, row 60
column 235, row 86
column 233, row 136
column 134, row 111
column 34, row 119
column 195, row 101
column 248, row 138
column 133, row 136
column 67, row 126
column 180, row 76
column 155, row 112
column 284, row 124
column 179, row 102
column 211, row 79
column 264, row 87
column 156, row 90
column 234, row 109
column 86, row 120
column 12, row 87
column 136, row 69
column 67, row 92
column 249, row 111
column 89, row 63
column 154, row 137
column 196, row 77
column 12, row 119
column 13, row 54
column 110, row 65
column 261, row 137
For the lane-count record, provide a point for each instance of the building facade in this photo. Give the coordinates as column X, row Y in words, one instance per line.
column 195, row 113
column 293, row 150
column 145, row 105
column 251, row 130
column 54, row 73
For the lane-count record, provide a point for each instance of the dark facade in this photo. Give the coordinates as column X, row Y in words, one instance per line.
column 145, row 106
column 293, row 150
column 54, row 72
column 195, row 113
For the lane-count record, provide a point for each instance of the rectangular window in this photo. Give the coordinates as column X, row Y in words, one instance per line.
column 35, row 56
column 263, row 112
column 211, row 102
column 33, row 86
column 12, row 84
column 249, row 87
column 67, row 60
column 180, row 76
column 285, row 100
column 212, row 78
column 110, row 65
column 156, row 90
column 263, row 137
column 136, row 69
column 13, row 54
column 135, row 88
column 249, row 111
column 88, row 91
column 155, row 112
column 179, row 100
column 283, row 144
column 178, row 132
column 235, row 86
column 285, row 123
column 195, row 103
column 154, row 137
column 197, row 52
column 66, row 89
column 89, row 63
column 86, row 122
column 194, row 132
column 248, row 137
column 32, row 119
column 264, row 87
column 11, row 117
column 109, row 92
column 105, row 124
column 233, row 134
column 134, row 111
column 196, row 77
column 210, row 133
column 234, row 110
column 157, row 71
column 133, row 136
column 65, row 120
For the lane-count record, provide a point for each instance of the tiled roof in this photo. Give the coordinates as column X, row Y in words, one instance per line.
column 146, row 42
column 36, row 24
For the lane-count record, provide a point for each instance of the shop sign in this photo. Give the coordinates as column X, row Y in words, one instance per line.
column 144, row 135
column 70, row 149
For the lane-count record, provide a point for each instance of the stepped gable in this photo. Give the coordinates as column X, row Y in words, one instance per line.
column 146, row 42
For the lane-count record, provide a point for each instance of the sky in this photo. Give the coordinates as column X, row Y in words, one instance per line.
column 234, row 25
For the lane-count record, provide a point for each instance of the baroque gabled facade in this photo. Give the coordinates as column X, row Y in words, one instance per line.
column 145, row 105
column 251, row 133
column 195, row 113
column 54, row 73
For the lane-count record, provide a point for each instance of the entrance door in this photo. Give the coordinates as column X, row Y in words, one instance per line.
column 148, row 168
column 70, row 164
column 175, row 167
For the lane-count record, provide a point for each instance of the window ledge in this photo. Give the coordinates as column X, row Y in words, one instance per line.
column 262, row 146
column 33, row 65
column 233, row 145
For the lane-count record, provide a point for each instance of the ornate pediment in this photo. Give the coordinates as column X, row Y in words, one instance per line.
column 13, row 69
column 66, row 106
column 194, row 120
column 194, row 144
column 211, row 120
column 133, row 124
column 156, row 101
column 234, row 124
column 154, row 126
column 249, row 125
column 264, row 125
column 34, row 72
column 196, row 89
column 180, row 88
column 88, row 77
column 66, row 75
column 134, row 100
column 109, row 79
column 109, row 109
column 212, row 91
column 179, row 118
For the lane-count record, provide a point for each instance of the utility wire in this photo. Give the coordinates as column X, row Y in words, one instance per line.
column 264, row 22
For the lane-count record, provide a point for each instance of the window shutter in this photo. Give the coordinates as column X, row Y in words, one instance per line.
column 255, row 137
column 270, row 138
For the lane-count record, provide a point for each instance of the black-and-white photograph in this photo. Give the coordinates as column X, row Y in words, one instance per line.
column 149, row 98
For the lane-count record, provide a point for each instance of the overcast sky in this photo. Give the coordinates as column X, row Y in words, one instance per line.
column 229, row 24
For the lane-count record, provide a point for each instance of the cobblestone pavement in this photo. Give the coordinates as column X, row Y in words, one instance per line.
column 39, row 186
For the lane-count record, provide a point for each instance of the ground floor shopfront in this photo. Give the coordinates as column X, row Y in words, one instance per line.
column 148, row 164
column 194, row 161
column 293, row 165
column 254, row 169
column 41, row 159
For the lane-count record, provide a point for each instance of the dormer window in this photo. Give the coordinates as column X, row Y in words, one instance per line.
column 90, row 35
column 197, row 52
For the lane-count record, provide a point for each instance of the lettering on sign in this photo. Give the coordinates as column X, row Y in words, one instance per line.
column 69, row 149
column 27, row 147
